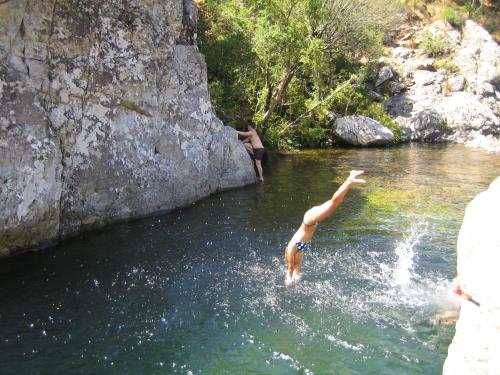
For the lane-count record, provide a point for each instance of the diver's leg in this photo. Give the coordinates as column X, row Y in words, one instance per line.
column 297, row 265
column 289, row 256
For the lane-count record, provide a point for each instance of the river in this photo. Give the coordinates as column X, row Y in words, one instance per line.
column 201, row 290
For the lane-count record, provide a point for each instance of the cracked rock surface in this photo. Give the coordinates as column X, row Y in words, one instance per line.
column 104, row 115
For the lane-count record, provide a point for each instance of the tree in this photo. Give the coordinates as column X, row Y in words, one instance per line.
column 308, row 34
column 293, row 51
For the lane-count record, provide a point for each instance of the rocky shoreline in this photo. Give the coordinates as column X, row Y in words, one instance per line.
column 449, row 98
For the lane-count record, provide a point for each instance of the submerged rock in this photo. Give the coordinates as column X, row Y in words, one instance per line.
column 104, row 115
column 475, row 348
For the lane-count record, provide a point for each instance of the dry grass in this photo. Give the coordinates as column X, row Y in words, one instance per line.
column 488, row 14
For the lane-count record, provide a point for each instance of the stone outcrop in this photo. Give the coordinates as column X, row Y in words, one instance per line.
column 104, row 115
column 362, row 131
column 454, row 98
column 475, row 348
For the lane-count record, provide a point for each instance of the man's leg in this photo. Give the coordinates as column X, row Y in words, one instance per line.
column 249, row 148
column 258, row 164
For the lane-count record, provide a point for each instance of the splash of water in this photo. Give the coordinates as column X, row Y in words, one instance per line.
column 405, row 252
column 406, row 285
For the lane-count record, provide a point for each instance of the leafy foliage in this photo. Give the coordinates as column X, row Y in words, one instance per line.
column 277, row 63
column 434, row 45
column 453, row 16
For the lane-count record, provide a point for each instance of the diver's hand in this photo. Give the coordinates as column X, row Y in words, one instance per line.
column 353, row 177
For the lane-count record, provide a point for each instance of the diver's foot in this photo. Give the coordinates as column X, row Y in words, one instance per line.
column 296, row 278
column 261, row 180
column 288, row 280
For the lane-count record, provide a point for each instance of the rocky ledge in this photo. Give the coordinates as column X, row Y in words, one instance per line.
column 475, row 349
column 104, row 115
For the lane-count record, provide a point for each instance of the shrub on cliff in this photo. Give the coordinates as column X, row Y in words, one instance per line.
column 434, row 45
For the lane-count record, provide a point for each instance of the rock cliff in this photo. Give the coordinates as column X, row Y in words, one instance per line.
column 104, row 115
column 453, row 97
column 475, row 349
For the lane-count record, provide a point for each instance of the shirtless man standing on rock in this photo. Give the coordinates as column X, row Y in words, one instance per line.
column 254, row 147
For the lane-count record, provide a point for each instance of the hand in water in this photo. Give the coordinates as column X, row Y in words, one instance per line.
column 353, row 177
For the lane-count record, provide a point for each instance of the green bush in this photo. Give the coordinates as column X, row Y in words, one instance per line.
column 453, row 16
column 280, row 136
column 353, row 100
column 268, row 64
column 434, row 45
column 311, row 134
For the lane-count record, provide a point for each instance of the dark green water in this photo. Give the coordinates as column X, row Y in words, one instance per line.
column 201, row 291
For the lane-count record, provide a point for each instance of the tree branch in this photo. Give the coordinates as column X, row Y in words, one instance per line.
column 292, row 124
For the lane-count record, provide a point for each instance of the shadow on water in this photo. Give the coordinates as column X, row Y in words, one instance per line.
column 202, row 290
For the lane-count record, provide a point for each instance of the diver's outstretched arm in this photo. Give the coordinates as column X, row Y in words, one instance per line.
column 321, row 212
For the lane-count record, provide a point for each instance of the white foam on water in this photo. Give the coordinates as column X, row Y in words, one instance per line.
column 397, row 293
column 294, row 364
column 345, row 344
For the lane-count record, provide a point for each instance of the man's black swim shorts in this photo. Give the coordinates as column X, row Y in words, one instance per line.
column 258, row 153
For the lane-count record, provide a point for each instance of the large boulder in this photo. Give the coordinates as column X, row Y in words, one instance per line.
column 427, row 125
column 104, row 115
column 469, row 120
column 475, row 348
column 362, row 131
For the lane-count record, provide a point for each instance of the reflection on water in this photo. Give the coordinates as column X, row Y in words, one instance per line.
column 202, row 290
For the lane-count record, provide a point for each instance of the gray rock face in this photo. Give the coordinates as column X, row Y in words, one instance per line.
column 427, row 126
column 475, row 348
column 478, row 59
column 458, row 103
column 362, row 131
column 384, row 74
column 104, row 115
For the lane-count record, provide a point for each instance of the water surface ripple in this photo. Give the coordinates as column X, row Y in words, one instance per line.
column 201, row 290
